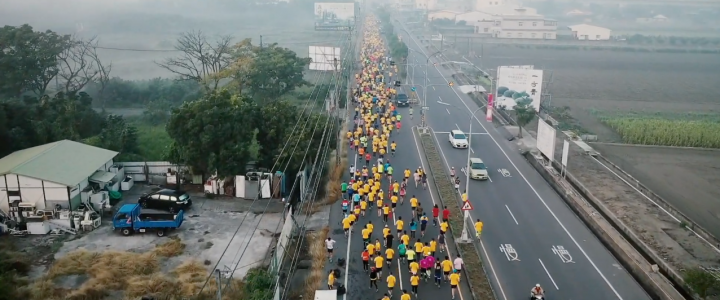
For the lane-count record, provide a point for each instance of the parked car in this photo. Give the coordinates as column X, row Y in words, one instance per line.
column 458, row 139
column 166, row 199
column 478, row 170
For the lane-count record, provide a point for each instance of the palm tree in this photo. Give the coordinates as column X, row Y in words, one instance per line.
column 524, row 112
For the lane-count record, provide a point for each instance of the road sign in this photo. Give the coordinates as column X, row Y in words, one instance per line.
column 467, row 206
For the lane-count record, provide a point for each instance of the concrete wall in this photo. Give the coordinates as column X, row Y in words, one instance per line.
column 603, row 224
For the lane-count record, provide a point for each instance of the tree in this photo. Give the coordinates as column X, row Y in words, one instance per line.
column 305, row 143
column 117, row 135
column 501, row 91
column 200, row 61
column 275, row 123
column 213, row 134
column 275, row 71
column 79, row 64
column 29, row 59
column 701, row 281
column 524, row 112
column 508, row 93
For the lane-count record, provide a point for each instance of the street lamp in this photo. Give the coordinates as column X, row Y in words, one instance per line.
column 464, row 236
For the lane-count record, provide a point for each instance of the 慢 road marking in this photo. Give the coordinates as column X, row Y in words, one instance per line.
column 563, row 254
column 511, row 214
column 530, row 185
column 510, row 252
column 482, row 245
column 548, row 274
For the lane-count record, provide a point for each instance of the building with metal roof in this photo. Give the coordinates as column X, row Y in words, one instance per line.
column 53, row 174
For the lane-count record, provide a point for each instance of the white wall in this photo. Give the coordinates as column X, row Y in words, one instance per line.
column 76, row 190
column 31, row 191
column 12, row 182
column 55, row 192
column 592, row 35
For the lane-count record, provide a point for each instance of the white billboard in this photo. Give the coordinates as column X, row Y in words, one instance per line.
column 546, row 139
column 514, row 83
column 324, row 58
column 334, row 16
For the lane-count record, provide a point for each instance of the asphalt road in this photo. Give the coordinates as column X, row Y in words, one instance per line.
column 519, row 209
column 407, row 156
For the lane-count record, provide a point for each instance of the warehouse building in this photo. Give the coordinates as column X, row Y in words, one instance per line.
column 510, row 22
column 585, row 32
column 54, row 175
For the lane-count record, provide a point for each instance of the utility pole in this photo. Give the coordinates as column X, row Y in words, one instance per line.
column 261, row 44
column 219, row 284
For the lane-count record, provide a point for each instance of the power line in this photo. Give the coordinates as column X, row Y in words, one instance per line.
column 175, row 50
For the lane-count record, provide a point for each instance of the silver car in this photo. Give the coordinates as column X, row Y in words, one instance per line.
column 478, row 170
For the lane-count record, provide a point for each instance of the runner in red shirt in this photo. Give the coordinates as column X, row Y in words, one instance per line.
column 446, row 214
column 398, row 125
column 368, row 157
column 436, row 213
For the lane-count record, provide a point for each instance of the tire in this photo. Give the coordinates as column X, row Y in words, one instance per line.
column 160, row 232
column 126, row 231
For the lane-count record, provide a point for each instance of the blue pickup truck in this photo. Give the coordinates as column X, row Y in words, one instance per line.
column 130, row 218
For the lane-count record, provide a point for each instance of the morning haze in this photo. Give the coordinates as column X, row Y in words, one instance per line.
column 155, row 25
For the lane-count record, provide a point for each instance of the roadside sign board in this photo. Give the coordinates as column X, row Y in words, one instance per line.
column 467, row 206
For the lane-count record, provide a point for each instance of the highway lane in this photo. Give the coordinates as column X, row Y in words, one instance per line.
column 357, row 281
column 543, row 220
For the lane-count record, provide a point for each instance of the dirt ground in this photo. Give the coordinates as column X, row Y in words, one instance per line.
column 614, row 81
column 679, row 247
column 687, row 178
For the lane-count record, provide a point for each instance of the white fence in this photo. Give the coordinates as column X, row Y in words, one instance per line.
column 281, row 250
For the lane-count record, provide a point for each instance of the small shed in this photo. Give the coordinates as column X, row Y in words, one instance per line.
column 587, row 32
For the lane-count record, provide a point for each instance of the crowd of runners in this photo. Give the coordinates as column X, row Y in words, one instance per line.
column 377, row 186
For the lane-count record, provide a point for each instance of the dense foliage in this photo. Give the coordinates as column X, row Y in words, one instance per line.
column 398, row 49
column 226, row 106
column 216, row 134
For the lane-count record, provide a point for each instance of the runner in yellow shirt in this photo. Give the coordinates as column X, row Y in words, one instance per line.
column 454, row 282
column 478, row 228
column 414, row 283
column 391, row 280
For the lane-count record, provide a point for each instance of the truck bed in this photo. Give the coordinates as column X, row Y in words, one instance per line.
column 161, row 223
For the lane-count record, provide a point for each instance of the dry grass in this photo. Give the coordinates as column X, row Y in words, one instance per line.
column 171, row 248
column 137, row 274
column 319, row 257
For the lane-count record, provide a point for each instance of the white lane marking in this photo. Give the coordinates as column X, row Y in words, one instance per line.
column 511, row 214
column 482, row 245
column 447, row 249
column 448, row 111
column 433, row 88
column 458, row 127
column 471, row 150
column 399, row 271
column 347, row 256
column 448, row 132
column 548, row 274
column 656, row 205
column 530, row 185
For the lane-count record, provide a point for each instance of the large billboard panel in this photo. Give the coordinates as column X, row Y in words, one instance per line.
column 546, row 139
column 514, row 83
column 334, row 16
column 324, row 58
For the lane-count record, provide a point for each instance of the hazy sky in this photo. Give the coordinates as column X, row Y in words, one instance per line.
column 155, row 24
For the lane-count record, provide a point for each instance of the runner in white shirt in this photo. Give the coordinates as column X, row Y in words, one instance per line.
column 352, row 171
column 330, row 244
column 458, row 263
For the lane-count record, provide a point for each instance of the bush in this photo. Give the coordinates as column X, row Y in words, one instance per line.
column 665, row 132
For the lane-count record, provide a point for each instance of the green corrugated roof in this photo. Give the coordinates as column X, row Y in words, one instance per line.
column 65, row 162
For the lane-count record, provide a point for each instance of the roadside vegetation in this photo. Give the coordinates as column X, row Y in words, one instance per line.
column 679, row 130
